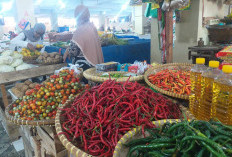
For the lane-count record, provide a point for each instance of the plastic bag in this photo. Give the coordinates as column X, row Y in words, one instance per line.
column 24, row 66
column 76, row 68
column 142, row 67
column 7, row 53
column 6, row 68
column 175, row 4
column 227, row 51
column 6, row 60
column 16, row 63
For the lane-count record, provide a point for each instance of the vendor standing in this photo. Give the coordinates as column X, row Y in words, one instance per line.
column 85, row 48
column 29, row 38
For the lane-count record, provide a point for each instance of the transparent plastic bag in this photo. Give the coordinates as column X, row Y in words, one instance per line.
column 142, row 67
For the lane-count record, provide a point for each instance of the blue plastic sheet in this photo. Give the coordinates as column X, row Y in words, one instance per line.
column 126, row 36
column 138, row 49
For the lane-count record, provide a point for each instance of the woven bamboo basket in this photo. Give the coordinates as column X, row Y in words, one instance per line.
column 29, row 58
column 74, row 150
column 31, row 122
column 92, row 75
column 154, row 70
column 49, row 63
column 26, row 122
column 136, row 133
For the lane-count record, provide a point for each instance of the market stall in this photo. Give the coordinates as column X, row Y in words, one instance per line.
column 128, row 106
column 137, row 49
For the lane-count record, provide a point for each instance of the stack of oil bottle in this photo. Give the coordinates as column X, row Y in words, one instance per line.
column 211, row 93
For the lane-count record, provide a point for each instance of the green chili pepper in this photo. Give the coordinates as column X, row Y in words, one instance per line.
column 139, row 141
column 201, row 153
column 206, row 141
column 175, row 126
column 149, row 147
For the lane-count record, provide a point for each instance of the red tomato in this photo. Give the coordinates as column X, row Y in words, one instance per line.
column 68, row 92
column 50, row 114
column 73, row 91
column 52, row 93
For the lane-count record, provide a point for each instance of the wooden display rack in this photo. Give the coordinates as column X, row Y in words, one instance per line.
column 50, row 143
column 41, row 142
column 11, row 77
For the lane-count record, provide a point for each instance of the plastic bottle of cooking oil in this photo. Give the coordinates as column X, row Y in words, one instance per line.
column 195, row 77
column 207, row 80
column 222, row 96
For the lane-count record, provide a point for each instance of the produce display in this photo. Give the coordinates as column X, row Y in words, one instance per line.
column 54, row 57
column 113, row 75
column 11, row 61
column 61, row 44
column 20, row 88
column 197, row 138
column 176, row 81
column 28, row 53
column 39, row 46
column 42, row 101
column 113, row 41
column 99, row 117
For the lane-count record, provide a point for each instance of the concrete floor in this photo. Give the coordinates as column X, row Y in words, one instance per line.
column 8, row 149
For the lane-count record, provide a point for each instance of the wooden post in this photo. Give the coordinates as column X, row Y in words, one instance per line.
column 169, row 35
column 4, row 95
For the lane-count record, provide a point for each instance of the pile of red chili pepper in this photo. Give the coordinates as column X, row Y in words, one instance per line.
column 176, row 81
column 99, row 117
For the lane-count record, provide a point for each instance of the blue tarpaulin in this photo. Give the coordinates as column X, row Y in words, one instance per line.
column 137, row 49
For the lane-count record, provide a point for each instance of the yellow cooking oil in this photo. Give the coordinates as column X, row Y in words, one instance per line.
column 195, row 77
column 222, row 96
column 207, row 80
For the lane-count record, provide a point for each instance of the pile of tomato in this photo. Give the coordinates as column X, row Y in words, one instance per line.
column 42, row 102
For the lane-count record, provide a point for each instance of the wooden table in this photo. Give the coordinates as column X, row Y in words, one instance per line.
column 207, row 52
column 10, row 77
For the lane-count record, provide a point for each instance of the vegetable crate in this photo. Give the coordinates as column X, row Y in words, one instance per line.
column 50, row 144
column 31, row 142
column 41, row 142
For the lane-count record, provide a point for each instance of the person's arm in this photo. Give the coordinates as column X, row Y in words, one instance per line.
column 19, row 41
column 41, row 41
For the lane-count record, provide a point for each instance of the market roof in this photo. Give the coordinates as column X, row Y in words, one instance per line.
column 66, row 7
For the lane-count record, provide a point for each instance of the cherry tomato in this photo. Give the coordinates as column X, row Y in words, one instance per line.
column 73, row 91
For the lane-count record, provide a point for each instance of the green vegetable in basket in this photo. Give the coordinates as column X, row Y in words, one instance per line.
column 197, row 138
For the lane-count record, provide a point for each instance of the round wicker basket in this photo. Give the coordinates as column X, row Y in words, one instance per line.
column 28, row 58
column 49, row 63
column 154, row 70
column 92, row 75
column 74, row 150
column 121, row 150
column 26, row 122
column 31, row 122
